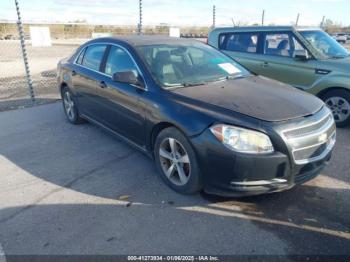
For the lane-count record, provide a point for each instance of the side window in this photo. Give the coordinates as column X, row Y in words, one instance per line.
column 278, row 44
column 80, row 57
column 239, row 42
column 118, row 61
column 93, row 56
column 281, row 44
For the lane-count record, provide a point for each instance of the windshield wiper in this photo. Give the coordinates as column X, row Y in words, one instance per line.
column 185, row 84
column 188, row 84
column 339, row 56
column 228, row 77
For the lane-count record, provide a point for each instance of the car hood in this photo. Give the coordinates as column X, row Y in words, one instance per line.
column 257, row 97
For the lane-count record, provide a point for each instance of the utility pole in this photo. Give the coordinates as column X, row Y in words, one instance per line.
column 297, row 21
column 263, row 18
column 24, row 53
column 140, row 18
column 214, row 16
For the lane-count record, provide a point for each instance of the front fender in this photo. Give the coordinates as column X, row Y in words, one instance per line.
column 329, row 81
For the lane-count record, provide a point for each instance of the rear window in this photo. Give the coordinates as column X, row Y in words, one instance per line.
column 239, row 42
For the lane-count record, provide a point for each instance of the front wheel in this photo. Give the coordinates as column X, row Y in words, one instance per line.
column 338, row 101
column 176, row 161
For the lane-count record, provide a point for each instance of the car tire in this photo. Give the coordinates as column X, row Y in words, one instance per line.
column 338, row 101
column 176, row 161
column 70, row 107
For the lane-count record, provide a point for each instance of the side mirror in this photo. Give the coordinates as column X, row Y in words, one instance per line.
column 128, row 77
column 301, row 55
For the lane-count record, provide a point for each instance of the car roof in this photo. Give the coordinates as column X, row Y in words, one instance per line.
column 141, row 40
column 265, row 28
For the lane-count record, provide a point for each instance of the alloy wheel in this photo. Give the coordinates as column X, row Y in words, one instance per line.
column 69, row 105
column 340, row 108
column 175, row 161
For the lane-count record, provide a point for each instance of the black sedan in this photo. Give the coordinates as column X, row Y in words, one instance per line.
column 207, row 122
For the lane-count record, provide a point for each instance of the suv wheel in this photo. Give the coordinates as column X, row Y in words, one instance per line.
column 339, row 102
column 70, row 107
column 176, row 161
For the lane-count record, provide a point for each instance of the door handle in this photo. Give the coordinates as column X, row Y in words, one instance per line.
column 74, row 73
column 265, row 64
column 103, row 84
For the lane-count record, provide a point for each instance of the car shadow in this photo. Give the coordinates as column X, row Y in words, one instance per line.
column 104, row 192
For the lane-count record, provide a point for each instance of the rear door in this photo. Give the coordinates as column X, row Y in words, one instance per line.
column 278, row 60
column 86, row 76
column 244, row 47
column 119, row 103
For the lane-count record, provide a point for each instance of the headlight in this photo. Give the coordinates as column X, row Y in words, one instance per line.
column 243, row 140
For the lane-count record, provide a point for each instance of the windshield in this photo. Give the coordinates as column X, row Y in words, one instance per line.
column 325, row 44
column 190, row 64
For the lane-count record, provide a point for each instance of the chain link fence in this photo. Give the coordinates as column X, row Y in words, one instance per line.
column 13, row 81
column 42, row 62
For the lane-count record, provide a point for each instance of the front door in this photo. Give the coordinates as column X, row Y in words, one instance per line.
column 278, row 61
column 119, row 103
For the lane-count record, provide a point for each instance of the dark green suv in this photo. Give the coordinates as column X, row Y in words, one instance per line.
column 307, row 58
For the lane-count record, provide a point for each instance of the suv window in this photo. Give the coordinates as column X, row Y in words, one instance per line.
column 239, row 42
column 281, row 44
column 118, row 61
column 93, row 56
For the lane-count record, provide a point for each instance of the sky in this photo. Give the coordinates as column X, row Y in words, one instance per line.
column 179, row 12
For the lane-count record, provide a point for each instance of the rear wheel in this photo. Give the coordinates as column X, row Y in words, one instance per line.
column 176, row 161
column 70, row 107
column 338, row 101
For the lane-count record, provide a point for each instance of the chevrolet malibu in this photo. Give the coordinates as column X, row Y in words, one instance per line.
column 206, row 121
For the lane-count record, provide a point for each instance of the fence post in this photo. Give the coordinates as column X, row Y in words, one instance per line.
column 322, row 22
column 263, row 18
column 140, row 18
column 24, row 53
column 214, row 16
column 297, row 21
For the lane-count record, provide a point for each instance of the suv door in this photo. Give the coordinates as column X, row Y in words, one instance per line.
column 120, row 102
column 278, row 61
column 86, row 77
column 244, row 47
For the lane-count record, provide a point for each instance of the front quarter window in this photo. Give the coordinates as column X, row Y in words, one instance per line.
column 118, row 61
column 327, row 46
column 93, row 56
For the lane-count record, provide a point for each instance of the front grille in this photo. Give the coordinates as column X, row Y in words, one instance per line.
column 312, row 140
column 310, row 152
column 309, row 129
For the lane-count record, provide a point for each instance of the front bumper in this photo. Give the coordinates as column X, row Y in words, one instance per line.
column 228, row 173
